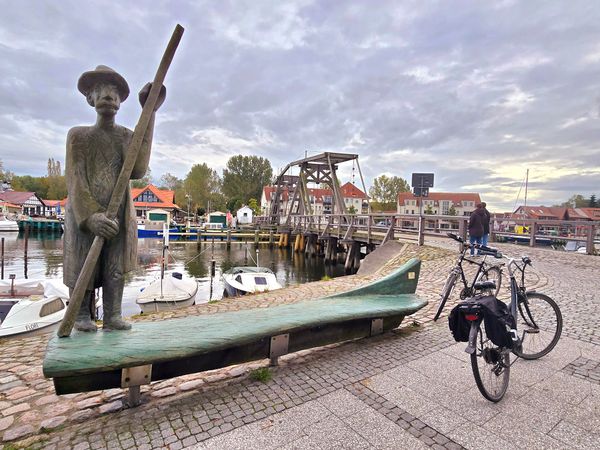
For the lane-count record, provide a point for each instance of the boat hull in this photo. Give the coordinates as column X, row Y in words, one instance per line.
column 175, row 293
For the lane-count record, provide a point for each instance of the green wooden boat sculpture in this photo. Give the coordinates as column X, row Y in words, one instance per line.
column 159, row 350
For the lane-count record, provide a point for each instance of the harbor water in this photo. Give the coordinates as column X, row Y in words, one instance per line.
column 44, row 260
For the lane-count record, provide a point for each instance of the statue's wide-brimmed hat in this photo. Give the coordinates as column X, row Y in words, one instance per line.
column 102, row 74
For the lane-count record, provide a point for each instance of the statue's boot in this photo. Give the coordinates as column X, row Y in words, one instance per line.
column 112, row 296
column 84, row 321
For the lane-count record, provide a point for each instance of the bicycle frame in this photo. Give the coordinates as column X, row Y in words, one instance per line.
column 462, row 257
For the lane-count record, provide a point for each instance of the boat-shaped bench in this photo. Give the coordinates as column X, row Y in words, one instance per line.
column 153, row 351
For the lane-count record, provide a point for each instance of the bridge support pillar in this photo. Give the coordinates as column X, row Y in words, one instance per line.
column 330, row 250
column 352, row 257
column 311, row 245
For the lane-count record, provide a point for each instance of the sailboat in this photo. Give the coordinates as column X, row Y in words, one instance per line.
column 169, row 291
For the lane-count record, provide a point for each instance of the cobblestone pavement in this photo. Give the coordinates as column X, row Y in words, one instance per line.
column 411, row 388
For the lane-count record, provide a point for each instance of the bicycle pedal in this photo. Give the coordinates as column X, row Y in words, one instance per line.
column 532, row 330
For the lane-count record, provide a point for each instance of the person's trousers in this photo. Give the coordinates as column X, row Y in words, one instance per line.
column 474, row 240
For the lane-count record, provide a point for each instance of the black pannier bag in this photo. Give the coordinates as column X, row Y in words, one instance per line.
column 497, row 320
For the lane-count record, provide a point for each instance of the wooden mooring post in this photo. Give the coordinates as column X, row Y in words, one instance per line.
column 2, row 260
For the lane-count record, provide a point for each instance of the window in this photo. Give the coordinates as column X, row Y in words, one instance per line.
column 52, row 307
column 445, row 207
column 147, row 196
column 260, row 281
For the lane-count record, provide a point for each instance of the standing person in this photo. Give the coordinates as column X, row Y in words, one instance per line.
column 486, row 224
column 476, row 227
column 95, row 156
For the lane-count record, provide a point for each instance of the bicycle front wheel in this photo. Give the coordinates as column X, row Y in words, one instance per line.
column 540, row 321
column 450, row 282
column 491, row 367
column 494, row 274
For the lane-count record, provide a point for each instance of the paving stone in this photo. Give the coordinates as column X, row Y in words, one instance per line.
column 16, row 409
column 164, row 392
column 6, row 422
column 13, row 434
column 111, row 407
column 52, row 423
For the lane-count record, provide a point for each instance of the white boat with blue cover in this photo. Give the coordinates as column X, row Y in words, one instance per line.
column 249, row 280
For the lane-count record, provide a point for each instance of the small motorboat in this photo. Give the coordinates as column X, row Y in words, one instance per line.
column 8, row 225
column 167, row 292
column 249, row 280
column 28, row 306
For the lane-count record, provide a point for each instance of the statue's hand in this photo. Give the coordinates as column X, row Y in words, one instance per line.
column 143, row 95
column 102, row 226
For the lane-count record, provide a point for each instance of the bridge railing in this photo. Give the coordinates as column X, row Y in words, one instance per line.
column 380, row 227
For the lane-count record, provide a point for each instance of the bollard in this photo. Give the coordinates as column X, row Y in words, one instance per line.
column 2, row 260
column 228, row 239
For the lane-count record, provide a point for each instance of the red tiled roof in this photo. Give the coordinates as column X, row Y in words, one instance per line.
column 455, row 197
column 16, row 197
column 8, row 204
column 589, row 213
column 542, row 212
column 318, row 193
column 270, row 190
column 166, row 197
column 350, row 190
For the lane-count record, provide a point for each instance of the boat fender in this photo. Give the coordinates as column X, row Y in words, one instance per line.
column 177, row 275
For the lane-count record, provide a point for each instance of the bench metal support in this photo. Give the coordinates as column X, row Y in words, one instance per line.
column 376, row 327
column 279, row 347
column 133, row 378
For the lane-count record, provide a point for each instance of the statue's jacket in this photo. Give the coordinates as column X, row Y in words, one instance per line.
column 93, row 163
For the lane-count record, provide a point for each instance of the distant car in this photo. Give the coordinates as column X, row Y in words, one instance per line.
column 382, row 223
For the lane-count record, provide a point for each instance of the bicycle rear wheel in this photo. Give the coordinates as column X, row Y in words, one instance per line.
column 446, row 291
column 541, row 321
column 494, row 274
column 491, row 367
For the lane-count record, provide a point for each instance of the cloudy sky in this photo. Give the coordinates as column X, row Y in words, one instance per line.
column 476, row 92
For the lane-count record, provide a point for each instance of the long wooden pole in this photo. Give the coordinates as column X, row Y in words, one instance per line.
column 118, row 193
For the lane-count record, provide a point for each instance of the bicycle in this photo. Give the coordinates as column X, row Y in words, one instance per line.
column 485, row 272
column 537, row 314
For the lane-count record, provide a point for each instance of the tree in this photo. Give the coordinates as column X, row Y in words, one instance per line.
column 170, row 182
column 385, row 190
column 5, row 175
column 245, row 176
column 142, row 182
column 54, row 169
column 575, row 201
column 253, row 204
column 452, row 211
column 428, row 210
column 593, row 202
column 203, row 185
column 352, row 210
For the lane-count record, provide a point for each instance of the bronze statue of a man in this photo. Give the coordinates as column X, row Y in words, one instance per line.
column 95, row 155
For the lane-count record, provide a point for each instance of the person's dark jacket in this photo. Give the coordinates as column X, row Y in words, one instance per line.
column 476, row 223
column 486, row 221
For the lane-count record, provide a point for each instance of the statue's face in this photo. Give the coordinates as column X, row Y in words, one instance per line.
column 105, row 99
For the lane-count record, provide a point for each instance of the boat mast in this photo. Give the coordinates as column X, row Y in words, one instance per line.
column 526, row 182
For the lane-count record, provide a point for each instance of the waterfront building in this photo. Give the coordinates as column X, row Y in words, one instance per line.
column 436, row 203
column 150, row 198
column 29, row 202
column 320, row 199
